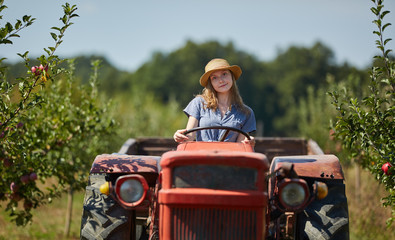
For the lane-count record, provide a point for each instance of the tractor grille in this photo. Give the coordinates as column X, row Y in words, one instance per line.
column 213, row 223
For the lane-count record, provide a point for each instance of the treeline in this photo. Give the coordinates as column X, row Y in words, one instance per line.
column 278, row 90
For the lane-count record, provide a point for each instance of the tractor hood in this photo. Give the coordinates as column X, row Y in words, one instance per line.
column 122, row 163
column 314, row 166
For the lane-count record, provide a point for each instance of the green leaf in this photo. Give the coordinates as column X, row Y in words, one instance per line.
column 18, row 24
column 5, row 41
column 27, row 18
column 377, row 22
column 380, row 47
column 25, row 54
column 2, row 6
column 383, row 14
column 56, row 28
column 47, row 51
column 379, row 7
column 30, row 22
column 387, row 40
column 9, row 27
column 14, row 35
column 3, row 33
column 54, row 36
column 64, row 19
column 374, row 11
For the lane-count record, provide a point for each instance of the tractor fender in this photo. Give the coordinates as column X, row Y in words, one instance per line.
column 123, row 163
column 312, row 166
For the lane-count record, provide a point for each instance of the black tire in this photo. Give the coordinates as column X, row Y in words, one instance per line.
column 103, row 217
column 325, row 219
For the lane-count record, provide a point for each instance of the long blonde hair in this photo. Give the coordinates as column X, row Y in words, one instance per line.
column 210, row 96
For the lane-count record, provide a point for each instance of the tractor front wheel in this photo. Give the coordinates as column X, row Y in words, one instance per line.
column 325, row 219
column 103, row 217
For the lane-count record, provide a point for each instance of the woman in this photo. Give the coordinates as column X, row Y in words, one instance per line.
column 220, row 104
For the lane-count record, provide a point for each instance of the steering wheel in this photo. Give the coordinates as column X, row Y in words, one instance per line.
column 228, row 129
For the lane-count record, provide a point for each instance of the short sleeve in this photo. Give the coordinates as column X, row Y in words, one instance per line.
column 194, row 107
column 250, row 123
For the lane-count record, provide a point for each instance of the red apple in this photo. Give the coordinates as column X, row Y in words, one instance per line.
column 386, row 166
column 16, row 197
column 33, row 176
column 25, row 179
column 7, row 162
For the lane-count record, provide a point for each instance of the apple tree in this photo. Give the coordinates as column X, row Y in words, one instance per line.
column 50, row 125
column 366, row 126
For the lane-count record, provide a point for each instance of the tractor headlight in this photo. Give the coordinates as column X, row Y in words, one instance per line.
column 131, row 190
column 293, row 194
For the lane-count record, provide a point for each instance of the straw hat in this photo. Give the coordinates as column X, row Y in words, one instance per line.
column 218, row 64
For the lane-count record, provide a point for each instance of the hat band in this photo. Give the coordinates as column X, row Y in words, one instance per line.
column 218, row 68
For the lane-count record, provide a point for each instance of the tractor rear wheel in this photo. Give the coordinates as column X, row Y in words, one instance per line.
column 325, row 219
column 103, row 217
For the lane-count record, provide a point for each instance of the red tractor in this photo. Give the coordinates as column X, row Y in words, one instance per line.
column 285, row 188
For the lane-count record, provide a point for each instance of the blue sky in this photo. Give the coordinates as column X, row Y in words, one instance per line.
column 127, row 32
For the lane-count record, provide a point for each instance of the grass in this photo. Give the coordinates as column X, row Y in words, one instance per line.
column 367, row 216
column 48, row 222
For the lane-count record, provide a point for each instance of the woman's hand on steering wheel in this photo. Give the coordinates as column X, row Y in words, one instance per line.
column 184, row 135
column 250, row 141
column 179, row 136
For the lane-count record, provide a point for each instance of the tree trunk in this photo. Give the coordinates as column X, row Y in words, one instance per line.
column 69, row 212
column 357, row 182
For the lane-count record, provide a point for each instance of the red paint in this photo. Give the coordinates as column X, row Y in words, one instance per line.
column 199, row 213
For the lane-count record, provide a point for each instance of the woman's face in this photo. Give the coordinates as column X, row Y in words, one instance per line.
column 221, row 80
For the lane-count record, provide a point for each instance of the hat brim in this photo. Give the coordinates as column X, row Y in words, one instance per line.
column 236, row 70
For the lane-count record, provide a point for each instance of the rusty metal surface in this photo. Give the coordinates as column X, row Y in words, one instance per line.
column 314, row 166
column 120, row 163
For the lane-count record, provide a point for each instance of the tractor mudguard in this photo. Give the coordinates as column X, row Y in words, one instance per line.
column 122, row 163
column 312, row 166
